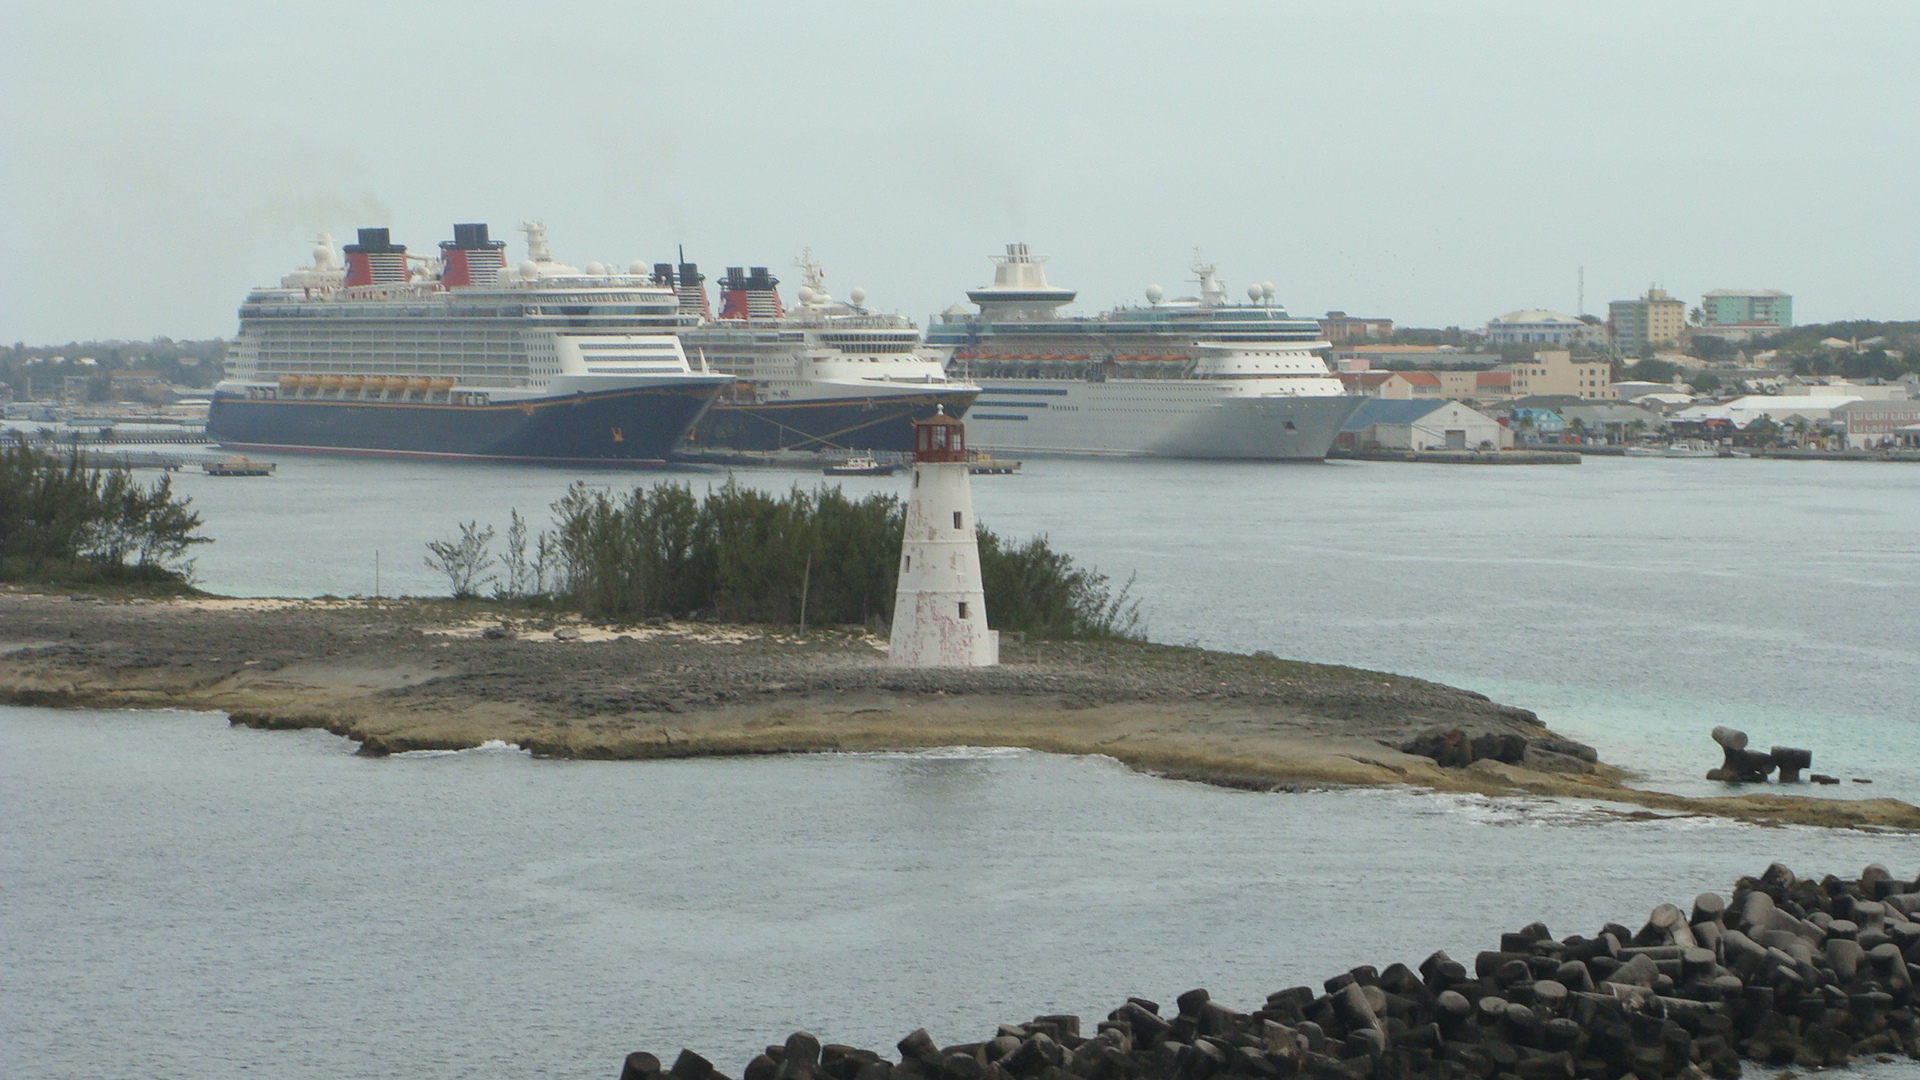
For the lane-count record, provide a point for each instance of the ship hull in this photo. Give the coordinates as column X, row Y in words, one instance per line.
column 630, row 426
column 1152, row 418
column 856, row 423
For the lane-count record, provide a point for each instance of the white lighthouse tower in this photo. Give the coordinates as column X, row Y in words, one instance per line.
column 939, row 610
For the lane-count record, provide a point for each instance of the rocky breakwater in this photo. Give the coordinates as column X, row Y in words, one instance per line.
column 1790, row 971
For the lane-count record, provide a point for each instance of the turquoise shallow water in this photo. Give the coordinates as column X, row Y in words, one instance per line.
column 1635, row 602
column 182, row 899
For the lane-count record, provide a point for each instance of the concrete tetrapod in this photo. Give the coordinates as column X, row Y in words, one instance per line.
column 1790, row 971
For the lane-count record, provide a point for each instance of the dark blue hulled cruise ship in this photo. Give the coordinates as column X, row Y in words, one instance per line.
column 462, row 356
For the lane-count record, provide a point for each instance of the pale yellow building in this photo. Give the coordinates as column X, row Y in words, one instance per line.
column 1655, row 319
column 1557, row 372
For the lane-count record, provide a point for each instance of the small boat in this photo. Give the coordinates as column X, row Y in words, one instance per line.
column 1690, row 450
column 1740, row 452
column 1643, row 451
column 237, row 466
column 861, row 466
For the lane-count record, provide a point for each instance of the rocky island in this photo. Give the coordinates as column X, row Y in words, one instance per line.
column 419, row 674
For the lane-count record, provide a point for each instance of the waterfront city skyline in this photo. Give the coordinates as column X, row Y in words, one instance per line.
column 1435, row 165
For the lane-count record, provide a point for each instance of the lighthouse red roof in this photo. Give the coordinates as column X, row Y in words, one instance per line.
column 939, row 438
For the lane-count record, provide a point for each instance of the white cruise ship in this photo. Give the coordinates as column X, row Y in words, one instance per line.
column 825, row 374
column 461, row 356
column 1192, row 377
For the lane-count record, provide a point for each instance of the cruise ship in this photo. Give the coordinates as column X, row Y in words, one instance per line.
column 1189, row 377
column 461, row 356
column 825, row 374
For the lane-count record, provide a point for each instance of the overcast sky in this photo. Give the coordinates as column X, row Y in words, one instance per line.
column 1436, row 163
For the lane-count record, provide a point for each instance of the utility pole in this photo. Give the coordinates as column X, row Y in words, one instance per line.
column 1580, row 301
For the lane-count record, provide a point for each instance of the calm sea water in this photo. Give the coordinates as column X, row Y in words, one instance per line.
column 181, row 899
column 1633, row 603
column 178, row 898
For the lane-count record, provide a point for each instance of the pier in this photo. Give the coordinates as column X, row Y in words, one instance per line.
column 1461, row 457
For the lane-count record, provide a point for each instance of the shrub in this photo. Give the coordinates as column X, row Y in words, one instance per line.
column 60, row 520
column 743, row 555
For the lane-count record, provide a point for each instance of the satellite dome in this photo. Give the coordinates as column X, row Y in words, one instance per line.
column 322, row 255
column 529, row 269
column 596, row 268
column 806, row 294
column 1255, row 292
column 1155, row 293
column 857, row 295
column 637, row 268
column 1268, row 288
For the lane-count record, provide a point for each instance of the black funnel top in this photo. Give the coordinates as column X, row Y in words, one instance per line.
column 375, row 241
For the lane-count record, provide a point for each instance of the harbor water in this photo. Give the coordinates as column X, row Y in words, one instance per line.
column 184, row 899
column 180, row 898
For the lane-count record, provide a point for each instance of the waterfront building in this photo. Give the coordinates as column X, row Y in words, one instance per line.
column 1538, row 422
column 1477, row 385
column 1391, row 385
column 1422, row 425
column 1556, row 371
column 1338, row 326
column 1768, row 308
column 1537, row 327
column 940, row 606
column 1654, row 319
column 1869, row 424
column 1616, row 423
column 1782, row 409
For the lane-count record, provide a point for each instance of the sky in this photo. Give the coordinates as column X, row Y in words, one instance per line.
column 1434, row 163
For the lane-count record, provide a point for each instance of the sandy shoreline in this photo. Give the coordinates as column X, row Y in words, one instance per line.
column 424, row 675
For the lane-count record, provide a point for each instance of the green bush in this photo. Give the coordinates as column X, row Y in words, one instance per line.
column 743, row 555
column 61, row 521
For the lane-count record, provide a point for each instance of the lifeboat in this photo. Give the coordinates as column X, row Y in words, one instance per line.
column 442, row 384
column 330, row 382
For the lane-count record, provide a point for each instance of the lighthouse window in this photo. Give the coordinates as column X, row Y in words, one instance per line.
column 956, row 519
column 963, row 609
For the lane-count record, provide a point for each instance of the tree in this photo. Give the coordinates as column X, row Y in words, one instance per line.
column 1712, row 348
column 1651, row 370
column 465, row 560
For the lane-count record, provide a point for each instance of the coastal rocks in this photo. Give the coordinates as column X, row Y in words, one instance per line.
column 1451, row 748
column 1744, row 766
column 1789, row 971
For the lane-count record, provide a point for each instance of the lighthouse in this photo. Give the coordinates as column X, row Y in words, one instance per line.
column 939, row 609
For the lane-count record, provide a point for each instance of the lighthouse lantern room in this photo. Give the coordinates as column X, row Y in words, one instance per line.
column 939, row 608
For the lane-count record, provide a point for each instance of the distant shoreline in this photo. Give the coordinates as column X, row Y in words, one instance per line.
column 422, row 674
